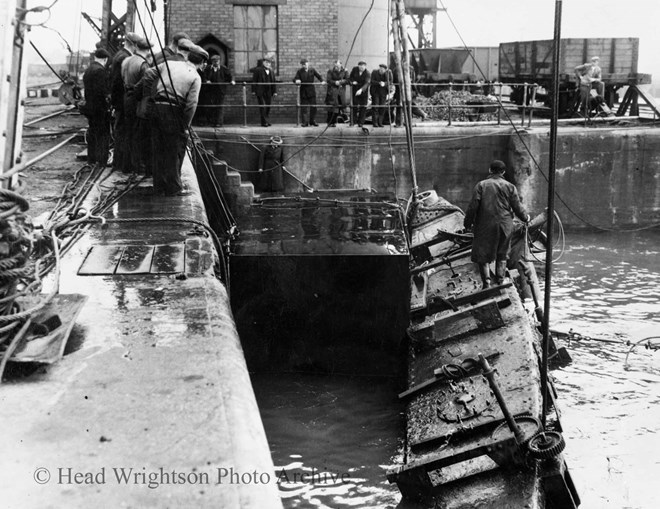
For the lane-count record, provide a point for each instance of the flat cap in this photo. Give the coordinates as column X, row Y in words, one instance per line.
column 384, row 66
column 362, row 62
column 180, row 35
column 144, row 43
column 185, row 44
column 197, row 54
column 101, row 53
column 497, row 166
column 132, row 37
column 215, row 58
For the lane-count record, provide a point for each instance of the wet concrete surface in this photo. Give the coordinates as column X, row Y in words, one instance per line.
column 152, row 405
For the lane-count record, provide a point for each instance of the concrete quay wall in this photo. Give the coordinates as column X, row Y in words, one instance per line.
column 608, row 176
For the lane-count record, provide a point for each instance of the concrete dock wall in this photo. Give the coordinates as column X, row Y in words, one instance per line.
column 608, row 176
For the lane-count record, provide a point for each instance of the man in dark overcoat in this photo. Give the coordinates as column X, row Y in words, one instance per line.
column 359, row 79
column 97, row 109
column 264, row 88
column 216, row 78
column 336, row 78
column 381, row 81
column 490, row 213
column 305, row 78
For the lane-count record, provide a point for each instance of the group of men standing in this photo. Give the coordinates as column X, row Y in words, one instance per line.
column 152, row 99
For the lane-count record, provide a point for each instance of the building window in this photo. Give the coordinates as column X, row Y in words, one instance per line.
column 255, row 36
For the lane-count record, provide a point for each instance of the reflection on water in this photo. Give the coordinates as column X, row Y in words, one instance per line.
column 606, row 286
column 332, row 438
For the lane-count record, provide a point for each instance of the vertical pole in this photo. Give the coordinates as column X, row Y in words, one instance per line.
column 298, row 109
column 531, row 109
column 129, row 25
column 12, row 85
column 449, row 104
column 551, row 209
column 244, row 105
column 499, row 108
column 524, row 104
column 106, row 20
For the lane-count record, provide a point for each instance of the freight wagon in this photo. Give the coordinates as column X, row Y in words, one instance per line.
column 531, row 62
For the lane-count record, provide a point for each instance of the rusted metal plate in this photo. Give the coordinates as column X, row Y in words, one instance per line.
column 49, row 347
column 199, row 257
column 168, row 259
column 135, row 260
column 101, row 260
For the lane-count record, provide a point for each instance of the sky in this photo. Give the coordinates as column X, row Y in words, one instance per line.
column 480, row 22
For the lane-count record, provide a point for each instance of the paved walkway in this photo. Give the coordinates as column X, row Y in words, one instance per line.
column 153, row 407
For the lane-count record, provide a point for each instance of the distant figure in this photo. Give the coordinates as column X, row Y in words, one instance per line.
column 305, row 78
column 218, row 76
column 494, row 202
column 271, row 163
column 381, row 81
column 336, row 79
column 264, row 88
column 359, row 79
column 589, row 76
column 170, row 52
column 97, row 93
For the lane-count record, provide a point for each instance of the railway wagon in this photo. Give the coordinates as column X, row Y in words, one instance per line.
column 531, row 62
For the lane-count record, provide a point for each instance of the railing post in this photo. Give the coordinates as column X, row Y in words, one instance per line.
column 244, row 104
column 500, row 106
column 351, row 111
column 449, row 103
column 524, row 104
column 298, row 109
column 531, row 111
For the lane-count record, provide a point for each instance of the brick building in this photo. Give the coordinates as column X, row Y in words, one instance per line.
column 244, row 31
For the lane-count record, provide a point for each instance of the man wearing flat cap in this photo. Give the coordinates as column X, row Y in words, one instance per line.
column 336, row 78
column 490, row 214
column 305, row 78
column 216, row 79
column 381, row 82
column 175, row 101
column 171, row 52
column 97, row 108
column 359, row 79
column 120, row 158
column 264, row 88
column 133, row 69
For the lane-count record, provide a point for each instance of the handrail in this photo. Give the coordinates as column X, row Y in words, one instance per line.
column 498, row 92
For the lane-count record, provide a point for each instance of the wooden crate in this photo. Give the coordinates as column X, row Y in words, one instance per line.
column 532, row 60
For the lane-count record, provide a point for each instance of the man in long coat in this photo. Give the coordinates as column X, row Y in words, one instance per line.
column 264, row 88
column 216, row 78
column 97, row 110
column 381, row 81
column 491, row 210
column 305, row 78
column 359, row 79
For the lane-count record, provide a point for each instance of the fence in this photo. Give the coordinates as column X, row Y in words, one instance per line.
column 453, row 102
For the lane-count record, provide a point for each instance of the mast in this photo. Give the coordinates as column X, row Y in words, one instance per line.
column 551, row 207
column 401, row 59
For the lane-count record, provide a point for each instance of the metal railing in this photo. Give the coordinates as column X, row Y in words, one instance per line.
column 449, row 111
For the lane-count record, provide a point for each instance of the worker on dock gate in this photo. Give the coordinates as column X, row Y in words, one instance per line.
column 97, row 111
column 490, row 214
column 175, row 101
column 589, row 76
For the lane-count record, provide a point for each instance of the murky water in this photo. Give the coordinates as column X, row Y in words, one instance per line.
column 607, row 287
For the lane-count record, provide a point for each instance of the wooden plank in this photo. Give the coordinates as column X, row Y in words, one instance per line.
column 135, row 260
column 101, row 260
column 168, row 259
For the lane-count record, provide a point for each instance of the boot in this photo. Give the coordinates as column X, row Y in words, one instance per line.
column 484, row 272
column 500, row 271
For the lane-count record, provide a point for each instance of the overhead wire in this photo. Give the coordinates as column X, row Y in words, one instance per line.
column 528, row 150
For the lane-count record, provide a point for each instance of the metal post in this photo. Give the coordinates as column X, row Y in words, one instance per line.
column 244, row 104
column 351, row 111
column 524, row 104
column 531, row 109
column 499, row 109
column 449, row 104
column 551, row 210
column 298, row 108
